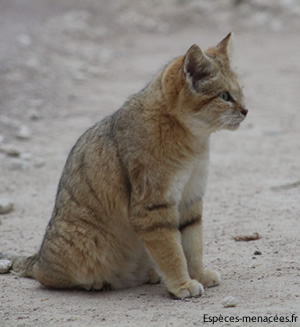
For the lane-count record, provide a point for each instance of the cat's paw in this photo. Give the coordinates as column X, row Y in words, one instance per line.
column 192, row 288
column 210, row 278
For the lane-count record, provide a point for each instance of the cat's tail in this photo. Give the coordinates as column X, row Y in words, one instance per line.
column 21, row 266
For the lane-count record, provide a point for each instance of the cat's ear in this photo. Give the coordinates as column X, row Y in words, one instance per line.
column 225, row 47
column 197, row 66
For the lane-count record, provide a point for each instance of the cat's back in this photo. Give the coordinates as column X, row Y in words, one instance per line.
column 90, row 213
column 94, row 171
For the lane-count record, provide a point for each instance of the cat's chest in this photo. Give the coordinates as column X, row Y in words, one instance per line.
column 190, row 183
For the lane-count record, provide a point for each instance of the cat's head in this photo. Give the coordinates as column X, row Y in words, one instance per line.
column 210, row 92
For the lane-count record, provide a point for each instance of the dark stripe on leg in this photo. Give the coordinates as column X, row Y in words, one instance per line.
column 190, row 222
column 160, row 225
column 157, row 206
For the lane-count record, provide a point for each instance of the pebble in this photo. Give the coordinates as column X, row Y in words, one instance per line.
column 10, row 150
column 27, row 156
column 34, row 114
column 5, row 266
column 229, row 301
column 24, row 133
column 19, row 164
column 6, row 205
column 39, row 162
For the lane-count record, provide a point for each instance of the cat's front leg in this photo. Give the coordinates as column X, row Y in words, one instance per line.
column 192, row 241
column 157, row 227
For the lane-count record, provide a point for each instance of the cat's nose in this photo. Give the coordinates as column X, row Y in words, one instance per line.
column 244, row 111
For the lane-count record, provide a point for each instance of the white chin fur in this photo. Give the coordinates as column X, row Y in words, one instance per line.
column 232, row 127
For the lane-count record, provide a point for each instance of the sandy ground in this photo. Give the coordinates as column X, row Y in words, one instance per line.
column 65, row 65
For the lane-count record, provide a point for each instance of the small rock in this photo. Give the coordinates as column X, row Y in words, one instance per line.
column 6, row 205
column 10, row 150
column 5, row 266
column 229, row 301
column 39, row 162
column 26, row 156
column 34, row 114
column 19, row 164
column 257, row 252
column 24, row 133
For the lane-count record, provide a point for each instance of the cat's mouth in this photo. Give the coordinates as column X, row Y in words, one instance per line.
column 227, row 121
column 234, row 122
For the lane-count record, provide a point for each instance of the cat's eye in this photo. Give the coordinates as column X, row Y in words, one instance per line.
column 226, row 96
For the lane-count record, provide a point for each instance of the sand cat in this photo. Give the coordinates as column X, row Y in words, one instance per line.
column 128, row 208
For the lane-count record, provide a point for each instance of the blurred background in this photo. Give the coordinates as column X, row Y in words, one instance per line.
column 48, row 47
column 65, row 64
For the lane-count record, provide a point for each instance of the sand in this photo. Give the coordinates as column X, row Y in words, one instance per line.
column 67, row 64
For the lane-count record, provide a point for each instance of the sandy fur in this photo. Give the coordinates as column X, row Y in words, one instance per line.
column 129, row 203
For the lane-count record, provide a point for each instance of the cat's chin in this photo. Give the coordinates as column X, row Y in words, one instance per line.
column 232, row 127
